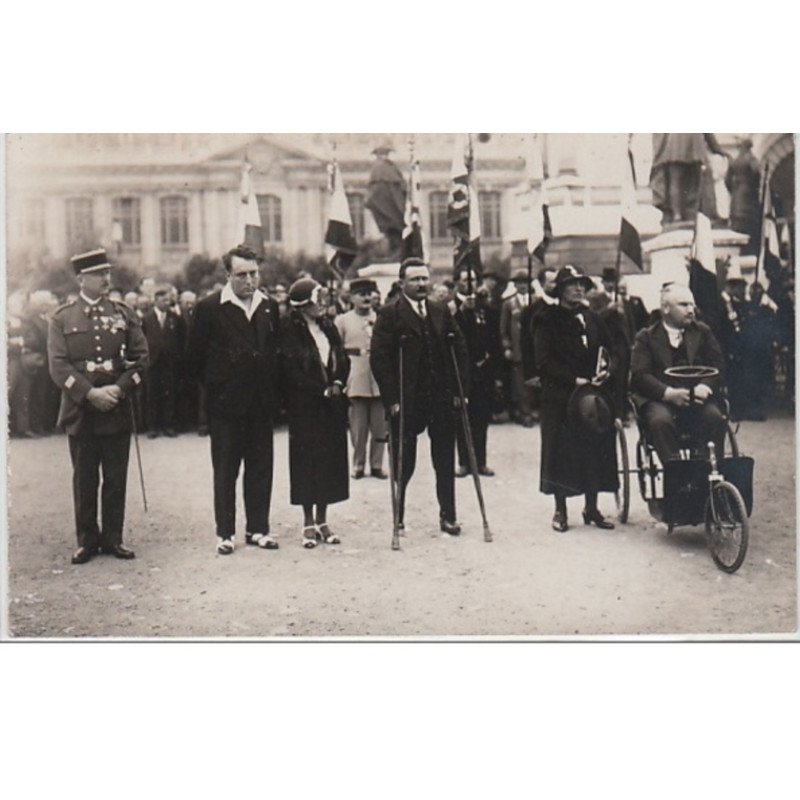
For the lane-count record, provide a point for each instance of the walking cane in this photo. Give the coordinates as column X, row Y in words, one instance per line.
column 396, row 474
column 473, row 461
column 135, row 438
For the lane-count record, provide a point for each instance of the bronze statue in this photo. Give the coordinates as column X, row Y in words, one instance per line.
column 743, row 181
column 676, row 178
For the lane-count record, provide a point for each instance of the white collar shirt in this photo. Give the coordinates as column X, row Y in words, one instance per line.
column 227, row 296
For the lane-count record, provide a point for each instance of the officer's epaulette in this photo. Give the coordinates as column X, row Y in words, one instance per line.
column 68, row 304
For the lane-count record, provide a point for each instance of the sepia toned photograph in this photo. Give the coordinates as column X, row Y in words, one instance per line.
column 415, row 386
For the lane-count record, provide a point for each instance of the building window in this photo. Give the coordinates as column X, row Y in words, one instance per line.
column 438, row 209
column 356, row 202
column 80, row 222
column 489, row 203
column 33, row 219
column 269, row 209
column 174, row 221
column 127, row 215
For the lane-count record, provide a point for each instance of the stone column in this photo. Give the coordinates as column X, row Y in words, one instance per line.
column 151, row 230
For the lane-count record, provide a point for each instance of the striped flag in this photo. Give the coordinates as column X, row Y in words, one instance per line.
column 463, row 211
column 340, row 243
column 630, row 242
column 249, row 218
column 540, row 250
column 413, row 241
column 769, row 258
column 703, row 273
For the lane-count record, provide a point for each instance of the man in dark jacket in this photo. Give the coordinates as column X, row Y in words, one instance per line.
column 677, row 340
column 164, row 330
column 97, row 354
column 419, row 335
column 233, row 349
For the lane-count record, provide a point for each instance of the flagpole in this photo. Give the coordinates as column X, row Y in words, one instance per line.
column 762, row 234
column 619, row 260
column 470, row 199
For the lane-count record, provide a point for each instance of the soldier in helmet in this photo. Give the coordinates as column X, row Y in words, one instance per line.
column 97, row 355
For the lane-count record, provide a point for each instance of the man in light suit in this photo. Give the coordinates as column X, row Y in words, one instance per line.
column 366, row 410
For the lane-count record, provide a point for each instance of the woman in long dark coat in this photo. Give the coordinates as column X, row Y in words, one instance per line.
column 315, row 370
column 575, row 459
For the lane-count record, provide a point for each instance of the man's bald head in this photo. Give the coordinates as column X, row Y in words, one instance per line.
column 677, row 305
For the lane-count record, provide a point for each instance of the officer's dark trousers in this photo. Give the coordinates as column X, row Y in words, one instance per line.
column 161, row 383
column 665, row 423
column 90, row 455
column 480, row 415
column 246, row 438
column 442, row 432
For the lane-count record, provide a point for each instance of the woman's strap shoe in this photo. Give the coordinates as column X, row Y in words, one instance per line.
column 598, row 519
column 560, row 522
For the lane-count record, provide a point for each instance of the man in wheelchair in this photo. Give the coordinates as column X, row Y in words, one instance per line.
column 671, row 414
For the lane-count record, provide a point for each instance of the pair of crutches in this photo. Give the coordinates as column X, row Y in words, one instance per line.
column 396, row 474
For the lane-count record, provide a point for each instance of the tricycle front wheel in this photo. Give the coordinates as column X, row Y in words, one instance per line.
column 727, row 526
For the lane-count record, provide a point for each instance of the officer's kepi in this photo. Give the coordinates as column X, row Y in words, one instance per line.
column 93, row 261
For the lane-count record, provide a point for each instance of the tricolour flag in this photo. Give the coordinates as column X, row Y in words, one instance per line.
column 249, row 218
column 340, row 243
column 769, row 258
column 703, row 273
column 413, row 241
column 463, row 211
column 540, row 250
column 630, row 242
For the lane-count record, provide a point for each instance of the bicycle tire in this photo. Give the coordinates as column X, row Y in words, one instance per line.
column 727, row 526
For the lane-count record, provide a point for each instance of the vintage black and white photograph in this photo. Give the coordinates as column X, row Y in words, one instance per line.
column 400, row 385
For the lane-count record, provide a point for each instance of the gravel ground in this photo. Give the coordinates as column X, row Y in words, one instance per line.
column 529, row 582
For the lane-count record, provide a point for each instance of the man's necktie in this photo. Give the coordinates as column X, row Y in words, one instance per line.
column 421, row 308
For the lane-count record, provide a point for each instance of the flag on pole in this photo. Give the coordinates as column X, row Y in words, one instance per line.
column 769, row 258
column 540, row 250
column 340, row 243
column 463, row 211
column 413, row 240
column 703, row 273
column 630, row 242
column 249, row 218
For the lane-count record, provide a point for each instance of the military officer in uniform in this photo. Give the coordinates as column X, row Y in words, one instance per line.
column 366, row 410
column 97, row 353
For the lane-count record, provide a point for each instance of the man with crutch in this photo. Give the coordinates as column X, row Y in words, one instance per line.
column 413, row 338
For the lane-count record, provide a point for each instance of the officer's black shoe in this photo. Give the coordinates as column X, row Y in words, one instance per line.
column 170, row 432
column 462, row 472
column 487, row 471
column 83, row 554
column 153, row 434
column 118, row 551
column 451, row 528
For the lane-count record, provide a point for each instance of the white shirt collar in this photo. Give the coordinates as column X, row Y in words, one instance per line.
column 227, row 296
column 413, row 303
column 675, row 335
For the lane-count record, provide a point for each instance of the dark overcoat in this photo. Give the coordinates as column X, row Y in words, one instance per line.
column 318, row 461
column 398, row 324
column 573, row 461
column 235, row 358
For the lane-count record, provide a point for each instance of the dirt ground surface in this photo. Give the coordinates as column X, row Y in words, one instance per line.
column 529, row 582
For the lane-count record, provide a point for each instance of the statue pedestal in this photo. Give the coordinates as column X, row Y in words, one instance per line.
column 669, row 253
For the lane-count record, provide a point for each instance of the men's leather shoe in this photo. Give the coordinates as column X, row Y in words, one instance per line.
column 461, row 472
column 488, row 472
column 358, row 474
column 118, row 551
column 153, row 434
column 451, row 528
column 379, row 473
column 594, row 516
column 83, row 554
column 170, row 432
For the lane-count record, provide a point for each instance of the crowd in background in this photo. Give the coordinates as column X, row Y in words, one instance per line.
column 756, row 332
